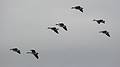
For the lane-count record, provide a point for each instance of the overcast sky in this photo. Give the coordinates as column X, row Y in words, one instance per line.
column 23, row 24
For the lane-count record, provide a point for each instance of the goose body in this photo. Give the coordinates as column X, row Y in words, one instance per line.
column 16, row 50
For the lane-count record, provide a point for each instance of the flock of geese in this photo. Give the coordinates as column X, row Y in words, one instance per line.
column 62, row 25
column 32, row 51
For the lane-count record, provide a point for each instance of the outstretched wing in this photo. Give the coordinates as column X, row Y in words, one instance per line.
column 56, row 31
column 65, row 28
column 36, row 55
column 19, row 52
column 107, row 34
column 103, row 22
column 98, row 22
column 33, row 51
column 81, row 9
column 14, row 49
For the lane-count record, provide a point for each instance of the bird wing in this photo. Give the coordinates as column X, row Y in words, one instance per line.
column 103, row 22
column 33, row 51
column 65, row 28
column 81, row 10
column 36, row 55
column 19, row 52
column 61, row 24
column 14, row 49
column 98, row 22
column 107, row 34
column 56, row 31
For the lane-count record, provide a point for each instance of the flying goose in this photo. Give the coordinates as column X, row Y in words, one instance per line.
column 34, row 53
column 78, row 8
column 105, row 32
column 99, row 21
column 54, row 29
column 16, row 50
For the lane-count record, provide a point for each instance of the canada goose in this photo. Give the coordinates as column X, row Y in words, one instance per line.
column 16, row 50
column 78, row 8
column 105, row 32
column 99, row 21
column 54, row 29
column 34, row 53
column 62, row 25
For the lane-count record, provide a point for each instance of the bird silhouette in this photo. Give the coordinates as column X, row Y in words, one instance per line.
column 34, row 53
column 78, row 8
column 99, row 21
column 62, row 25
column 16, row 50
column 54, row 29
column 105, row 32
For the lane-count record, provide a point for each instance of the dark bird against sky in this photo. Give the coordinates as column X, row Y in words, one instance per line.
column 16, row 50
column 34, row 53
column 54, row 29
column 78, row 8
column 62, row 25
column 99, row 21
column 105, row 32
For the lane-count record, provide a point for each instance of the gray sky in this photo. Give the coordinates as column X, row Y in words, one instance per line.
column 23, row 24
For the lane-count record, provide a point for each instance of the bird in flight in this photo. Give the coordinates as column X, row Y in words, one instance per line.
column 16, row 50
column 54, row 29
column 99, row 21
column 105, row 32
column 34, row 53
column 62, row 25
column 78, row 8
